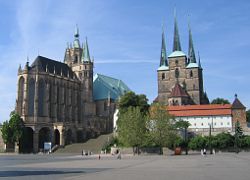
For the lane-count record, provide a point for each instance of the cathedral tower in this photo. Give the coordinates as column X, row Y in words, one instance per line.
column 180, row 71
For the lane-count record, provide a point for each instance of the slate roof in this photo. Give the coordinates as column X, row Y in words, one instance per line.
column 43, row 63
column 178, row 91
column 237, row 104
column 105, row 86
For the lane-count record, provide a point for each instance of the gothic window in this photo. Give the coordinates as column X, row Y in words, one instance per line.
column 176, row 62
column 31, row 96
column 191, row 74
column 163, row 76
column 177, row 73
column 20, row 93
column 41, row 98
column 76, row 59
column 194, row 86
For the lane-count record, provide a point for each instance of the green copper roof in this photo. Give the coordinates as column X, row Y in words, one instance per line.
column 85, row 55
column 163, row 68
column 164, row 58
column 191, row 53
column 177, row 54
column 176, row 44
column 105, row 86
column 192, row 65
column 76, row 41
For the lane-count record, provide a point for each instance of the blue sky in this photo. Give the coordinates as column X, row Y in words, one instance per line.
column 125, row 38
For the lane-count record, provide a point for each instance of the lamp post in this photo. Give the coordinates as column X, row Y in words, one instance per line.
column 210, row 145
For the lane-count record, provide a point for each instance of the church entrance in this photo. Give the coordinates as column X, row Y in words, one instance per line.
column 57, row 137
column 44, row 136
column 26, row 142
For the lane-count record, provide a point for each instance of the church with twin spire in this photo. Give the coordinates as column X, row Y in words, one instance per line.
column 180, row 79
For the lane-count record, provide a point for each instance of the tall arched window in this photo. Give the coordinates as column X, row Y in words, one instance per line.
column 177, row 73
column 20, row 95
column 41, row 98
column 31, row 96
column 191, row 74
column 163, row 76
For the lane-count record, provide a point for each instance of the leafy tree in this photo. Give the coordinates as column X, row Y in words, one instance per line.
column 161, row 125
column 12, row 131
column 220, row 101
column 131, row 127
column 6, row 133
column 222, row 141
column 130, row 99
column 198, row 143
column 237, row 136
column 183, row 125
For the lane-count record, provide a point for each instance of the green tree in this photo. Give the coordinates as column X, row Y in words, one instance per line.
column 198, row 143
column 183, row 125
column 12, row 131
column 161, row 126
column 132, row 128
column 237, row 136
column 6, row 133
column 130, row 99
column 220, row 101
column 222, row 141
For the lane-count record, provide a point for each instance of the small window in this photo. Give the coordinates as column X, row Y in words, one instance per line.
column 214, row 124
column 191, row 74
column 194, row 124
column 176, row 62
column 193, row 86
column 76, row 59
column 202, row 124
column 221, row 123
column 228, row 123
column 163, row 76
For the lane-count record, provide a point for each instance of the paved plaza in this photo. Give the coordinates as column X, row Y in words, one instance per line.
column 226, row 166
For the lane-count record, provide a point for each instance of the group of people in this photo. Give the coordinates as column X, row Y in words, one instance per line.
column 204, row 152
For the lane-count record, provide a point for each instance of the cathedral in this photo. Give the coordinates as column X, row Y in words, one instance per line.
column 63, row 102
column 180, row 79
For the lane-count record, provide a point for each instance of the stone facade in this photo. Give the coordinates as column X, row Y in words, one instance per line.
column 55, row 100
column 177, row 68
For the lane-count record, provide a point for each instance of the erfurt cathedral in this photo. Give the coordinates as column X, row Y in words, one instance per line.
column 180, row 79
column 63, row 102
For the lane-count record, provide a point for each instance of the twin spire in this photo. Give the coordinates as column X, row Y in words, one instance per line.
column 177, row 45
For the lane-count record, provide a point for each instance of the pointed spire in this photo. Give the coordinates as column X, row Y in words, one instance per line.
column 76, row 35
column 164, row 58
column 176, row 44
column 85, row 55
column 199, row 60
column 191, row 53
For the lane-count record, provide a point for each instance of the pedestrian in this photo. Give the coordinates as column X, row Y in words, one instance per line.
column 119, row 155
column 204, row 151
column 213, row 151
column 82, row 153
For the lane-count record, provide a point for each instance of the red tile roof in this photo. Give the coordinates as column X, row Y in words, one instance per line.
column 200, row 110
column 178, row 91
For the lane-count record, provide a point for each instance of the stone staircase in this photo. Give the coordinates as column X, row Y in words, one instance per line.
column 92, row 145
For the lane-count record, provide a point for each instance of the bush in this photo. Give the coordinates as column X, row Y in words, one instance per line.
column 198, row 142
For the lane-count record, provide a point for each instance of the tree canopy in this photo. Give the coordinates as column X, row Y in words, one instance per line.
column 220, row 101
column 12, row 130
column 248, row 115
column 130, row 99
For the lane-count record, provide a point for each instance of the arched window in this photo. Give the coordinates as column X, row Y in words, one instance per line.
column 41, row 98
column 163, row 76
column 20, row 94
column 76, row 59
column 31, row 96
column 177, row 73
column 191, row 74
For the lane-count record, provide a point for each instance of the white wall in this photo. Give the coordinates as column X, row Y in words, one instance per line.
column 202, row 122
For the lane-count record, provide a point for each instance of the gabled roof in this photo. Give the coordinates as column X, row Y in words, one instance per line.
column 200, row 110
column 45, row 64
column 237, row 104
column 105, row 87
column 178, row 91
